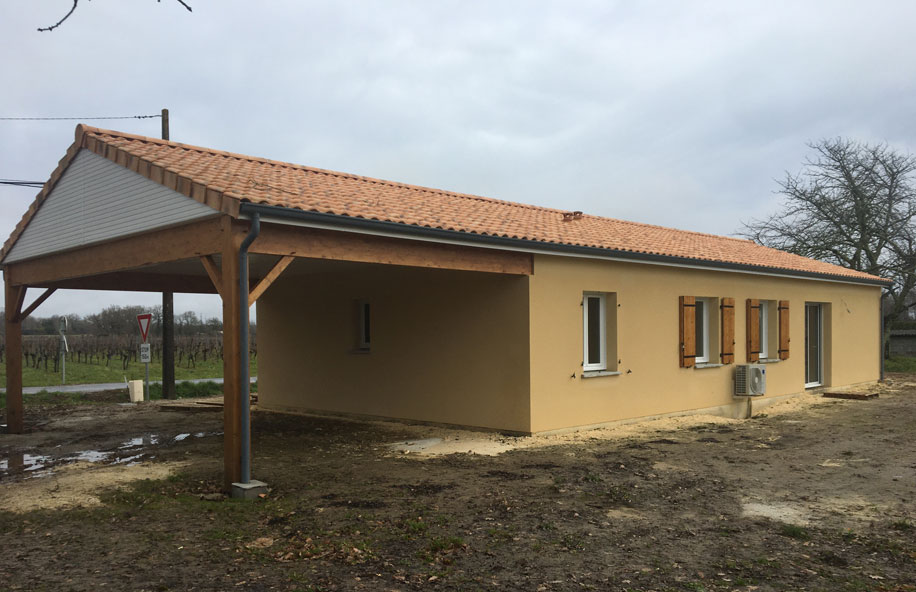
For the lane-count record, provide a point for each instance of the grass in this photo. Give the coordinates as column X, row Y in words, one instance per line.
column 81, row 373
column 900, row 364
column 184, row 390
column 902, row 525
column 794, row 532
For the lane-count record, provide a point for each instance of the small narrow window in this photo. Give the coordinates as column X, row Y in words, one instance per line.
column 594, row 323
column 364, row 325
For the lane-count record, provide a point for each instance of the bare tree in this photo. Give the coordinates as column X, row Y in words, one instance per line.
column 73, row 8
column 854, row 205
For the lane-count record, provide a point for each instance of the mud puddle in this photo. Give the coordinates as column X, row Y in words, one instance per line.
column 19, row 465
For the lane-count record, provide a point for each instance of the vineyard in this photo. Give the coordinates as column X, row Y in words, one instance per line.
column 105, row 347
column 112, row 358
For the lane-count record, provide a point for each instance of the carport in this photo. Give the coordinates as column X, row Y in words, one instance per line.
column 131, row 213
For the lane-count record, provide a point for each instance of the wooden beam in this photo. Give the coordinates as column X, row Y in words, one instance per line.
column 214, row 272
column 161, row 246
column 268, row 279
column 15, row 416
column 138, row 281
column 233, row 235
column 44, row 296
column 279, row 239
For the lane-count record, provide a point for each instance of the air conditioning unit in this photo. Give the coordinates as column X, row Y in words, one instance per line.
column 750, row 380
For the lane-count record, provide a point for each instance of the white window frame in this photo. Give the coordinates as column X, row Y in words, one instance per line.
column 602, row 325
column 764, row 323
column 705, row 304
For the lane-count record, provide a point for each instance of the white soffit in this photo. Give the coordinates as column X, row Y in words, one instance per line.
column 97, row 200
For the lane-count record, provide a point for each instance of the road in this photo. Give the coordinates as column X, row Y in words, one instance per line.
column 107, row 386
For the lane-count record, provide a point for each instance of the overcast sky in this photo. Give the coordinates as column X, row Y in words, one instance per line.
column 682, row 114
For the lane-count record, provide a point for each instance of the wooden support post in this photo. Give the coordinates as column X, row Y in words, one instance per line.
column 233, row 233
column 168, row 346
column 15, row 416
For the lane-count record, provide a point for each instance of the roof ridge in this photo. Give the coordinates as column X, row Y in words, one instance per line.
column 292, row 165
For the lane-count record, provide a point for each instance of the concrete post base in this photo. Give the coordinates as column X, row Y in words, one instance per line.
column 248, row 491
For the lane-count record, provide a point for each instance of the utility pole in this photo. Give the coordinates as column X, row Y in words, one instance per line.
column 168, row 316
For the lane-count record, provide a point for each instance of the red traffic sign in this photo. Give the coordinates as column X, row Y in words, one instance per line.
column 144, row 321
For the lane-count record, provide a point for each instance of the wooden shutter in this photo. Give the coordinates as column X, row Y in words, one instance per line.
column 783, row 329
column 688, row 330
column 727, row 347
column 753, row 330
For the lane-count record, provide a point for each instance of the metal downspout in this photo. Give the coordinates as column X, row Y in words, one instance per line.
column 245, row 385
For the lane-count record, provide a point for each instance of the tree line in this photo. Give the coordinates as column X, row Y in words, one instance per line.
column 120, row 320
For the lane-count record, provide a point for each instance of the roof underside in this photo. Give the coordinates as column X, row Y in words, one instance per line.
column 224, row 181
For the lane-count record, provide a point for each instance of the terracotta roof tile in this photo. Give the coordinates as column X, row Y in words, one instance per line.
column 224, row 180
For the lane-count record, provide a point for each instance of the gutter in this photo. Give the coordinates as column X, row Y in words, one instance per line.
column 319, row 219
column 245, row 385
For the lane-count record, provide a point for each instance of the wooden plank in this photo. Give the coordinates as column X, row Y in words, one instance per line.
column 753, row 330
column 44, row 296
column 853, row 396
column 138, row 281
column 278, row 239
column 233, row 233
column 15, row 416
column 161, row 246
column 268, row 279
column 784, row 330
column 728, row 330
column 687, row 324
column 214, row 272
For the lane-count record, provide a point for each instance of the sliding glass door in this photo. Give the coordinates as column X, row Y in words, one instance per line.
column 814, row 341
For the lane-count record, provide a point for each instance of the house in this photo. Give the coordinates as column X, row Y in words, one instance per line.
column 382, row 299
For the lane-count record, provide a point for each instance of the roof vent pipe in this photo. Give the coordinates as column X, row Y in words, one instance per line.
column 245, row 379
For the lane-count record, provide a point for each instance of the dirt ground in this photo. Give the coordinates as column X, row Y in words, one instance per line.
column 809, row 494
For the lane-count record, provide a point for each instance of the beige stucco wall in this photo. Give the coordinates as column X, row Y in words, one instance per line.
column 447, row 346
column 651, row 381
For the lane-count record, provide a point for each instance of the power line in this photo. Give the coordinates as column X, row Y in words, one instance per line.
column 18, row 183
column 76, row 118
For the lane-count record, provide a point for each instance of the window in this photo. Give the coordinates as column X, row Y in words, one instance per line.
column 767, row 330
column 702, row 331
column 363, row 325
column 705, row 321
column 814, row 345
column 706, row 331
column 599, row 332
column 594, row 321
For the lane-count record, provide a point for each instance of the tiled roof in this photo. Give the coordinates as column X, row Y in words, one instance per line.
column 224, row 180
